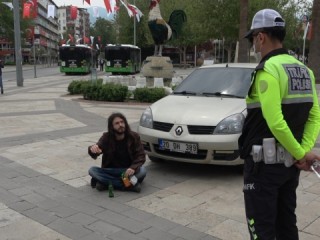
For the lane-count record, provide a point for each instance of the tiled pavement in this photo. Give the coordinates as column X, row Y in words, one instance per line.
column 44, row 185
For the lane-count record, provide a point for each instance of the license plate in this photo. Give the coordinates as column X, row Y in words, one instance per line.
column 178, row 146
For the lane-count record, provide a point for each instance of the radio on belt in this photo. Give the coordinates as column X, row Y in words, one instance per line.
column 269, row 150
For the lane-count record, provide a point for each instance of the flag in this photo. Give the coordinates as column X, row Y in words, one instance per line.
column 51, row 11
column 310, row 31
column 91, row 38
column 135, row 11
column 26, row 10
column 86, row 40
column 108, row 6
column 87, row 1
column 71, row 38
column 9, row 4
column 95, row 11
column 97, row 46
column 73, row 12
column 306, row 31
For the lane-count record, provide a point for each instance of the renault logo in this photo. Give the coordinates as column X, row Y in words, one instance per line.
column 179, row 130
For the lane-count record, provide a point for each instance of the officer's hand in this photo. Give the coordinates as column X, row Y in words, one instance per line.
column 95, row 149
column 306, row 162
column 129, row 172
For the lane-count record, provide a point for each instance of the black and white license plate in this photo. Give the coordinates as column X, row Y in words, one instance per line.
column 178, row 146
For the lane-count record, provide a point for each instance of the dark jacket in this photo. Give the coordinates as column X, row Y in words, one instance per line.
column 135, row 149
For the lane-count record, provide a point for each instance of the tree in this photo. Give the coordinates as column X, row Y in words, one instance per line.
column 7, row 25
column 314, row 54
column 243, row 43
column 104, row 32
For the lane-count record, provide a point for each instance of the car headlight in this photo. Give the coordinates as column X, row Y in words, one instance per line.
column 230, row 125
column 146, row 119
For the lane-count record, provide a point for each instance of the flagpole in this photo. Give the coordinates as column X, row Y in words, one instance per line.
column 134, row 26
column 304, row 43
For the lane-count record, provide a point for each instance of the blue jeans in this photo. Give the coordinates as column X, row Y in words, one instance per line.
column 1, row 84
column 113, row 175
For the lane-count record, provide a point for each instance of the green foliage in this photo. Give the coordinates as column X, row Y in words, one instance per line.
column 149, row 95
column 77, row 86
column 106, row 92
column 7, row 23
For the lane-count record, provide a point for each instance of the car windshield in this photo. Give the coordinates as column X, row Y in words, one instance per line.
column 222, row 82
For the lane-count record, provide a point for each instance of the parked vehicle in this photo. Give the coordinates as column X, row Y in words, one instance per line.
column 122, row 59
column 77, row 58
column 201, row 121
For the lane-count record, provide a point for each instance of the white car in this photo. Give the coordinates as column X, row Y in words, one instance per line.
column 201, row 121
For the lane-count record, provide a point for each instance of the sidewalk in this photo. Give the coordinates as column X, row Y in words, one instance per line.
column 44, row 183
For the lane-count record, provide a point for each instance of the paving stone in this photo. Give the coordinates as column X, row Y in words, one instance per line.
column 122, row 221
column 21, row 206
column 156, row 234
column 81, row 218
column 103, row 227
column 41, row 216
column 7, row 197
column 125, row 235
column 68, row 229
column 187, row 233
column 62, row 211
column 94, row 236
column 21, row 191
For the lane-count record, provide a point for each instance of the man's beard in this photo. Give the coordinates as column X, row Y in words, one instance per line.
column 119, row 131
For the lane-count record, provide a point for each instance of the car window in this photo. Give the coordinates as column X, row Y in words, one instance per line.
column 226, row 81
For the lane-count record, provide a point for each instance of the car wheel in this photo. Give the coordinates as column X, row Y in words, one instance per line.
column 155, row 159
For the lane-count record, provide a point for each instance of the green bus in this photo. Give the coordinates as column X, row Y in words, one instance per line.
column 77, row 58
column 122, row 59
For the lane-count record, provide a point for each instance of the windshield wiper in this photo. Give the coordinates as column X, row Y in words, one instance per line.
column 220, row 94
column 185, row 93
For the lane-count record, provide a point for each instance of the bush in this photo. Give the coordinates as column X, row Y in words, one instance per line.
column 105, row 92
column 149, row 95
column 78, row 86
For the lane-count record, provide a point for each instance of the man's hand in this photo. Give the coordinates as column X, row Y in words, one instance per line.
column 95, row 149
column 306, row 162
column 129, row 172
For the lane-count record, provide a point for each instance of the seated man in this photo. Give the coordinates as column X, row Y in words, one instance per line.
column 122, row 155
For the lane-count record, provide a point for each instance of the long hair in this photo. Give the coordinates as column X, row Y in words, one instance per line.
column 127, row 133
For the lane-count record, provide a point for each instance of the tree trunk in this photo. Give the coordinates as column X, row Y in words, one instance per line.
column 314, row 52
column 243, row 43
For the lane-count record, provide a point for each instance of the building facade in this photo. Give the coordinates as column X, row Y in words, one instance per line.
column 41, row 44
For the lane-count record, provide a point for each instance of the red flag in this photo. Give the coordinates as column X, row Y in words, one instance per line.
column 99, row 39
column 87, row 1
column 310, row 32
column 86, row 40
column 34, row 8
column 73, row 12
column 133, row 10
column 71, row 38
column 26, row 10
column 108, row 6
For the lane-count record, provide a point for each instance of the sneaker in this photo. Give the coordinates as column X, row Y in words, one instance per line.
column 136, row 188
column 93, row 182
column 101, row 187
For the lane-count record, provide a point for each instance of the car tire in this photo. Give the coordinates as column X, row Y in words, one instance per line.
column 155, row 159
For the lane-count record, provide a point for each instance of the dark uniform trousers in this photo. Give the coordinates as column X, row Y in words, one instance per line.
column 272, row 187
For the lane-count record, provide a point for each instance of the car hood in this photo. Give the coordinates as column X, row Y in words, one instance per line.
column 196, row 110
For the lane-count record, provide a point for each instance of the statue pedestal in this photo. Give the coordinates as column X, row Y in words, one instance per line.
column 157, row 66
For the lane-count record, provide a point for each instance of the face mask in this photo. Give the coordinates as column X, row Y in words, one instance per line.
column 257, row 54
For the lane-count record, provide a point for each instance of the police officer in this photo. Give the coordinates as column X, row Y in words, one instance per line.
column 283, row 113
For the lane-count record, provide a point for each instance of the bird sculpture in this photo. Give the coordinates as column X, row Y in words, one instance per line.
column 162, row 31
